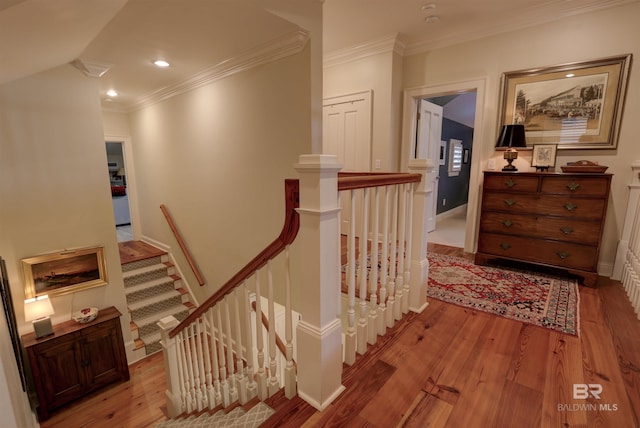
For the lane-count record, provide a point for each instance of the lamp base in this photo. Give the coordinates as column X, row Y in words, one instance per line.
column 43, row 327
column 509, row 166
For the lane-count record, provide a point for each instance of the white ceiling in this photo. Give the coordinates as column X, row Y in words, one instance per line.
column 194, row 35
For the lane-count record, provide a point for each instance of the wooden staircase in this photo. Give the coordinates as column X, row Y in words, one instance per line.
column 153, row 291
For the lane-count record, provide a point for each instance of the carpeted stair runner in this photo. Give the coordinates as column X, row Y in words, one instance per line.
column 153, row 291
column 237, row 418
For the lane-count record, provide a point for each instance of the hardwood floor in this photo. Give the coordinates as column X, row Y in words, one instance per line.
column 446, row 367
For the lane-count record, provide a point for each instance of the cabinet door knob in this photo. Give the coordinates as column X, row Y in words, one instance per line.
column 573, row 186
column 570, row 207
column 505, row 245
column 507, row 223
column 85, row 363
column 510, row 202
column 562, row 254
column 566, row 230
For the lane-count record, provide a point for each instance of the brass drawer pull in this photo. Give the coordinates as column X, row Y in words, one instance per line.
column 562, row 254
column 510, row 182
column 510, row 202
column 566, row 230
column 507, row 223
column 570, row 207
column 505, row 246
column 573, row 186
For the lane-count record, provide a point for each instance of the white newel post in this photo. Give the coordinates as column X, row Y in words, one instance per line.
column 174, row 407
column 319, row 333
column 632, row 203
column 419, row 263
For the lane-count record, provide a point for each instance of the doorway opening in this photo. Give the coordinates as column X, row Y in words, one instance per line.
column 454, row 167
column 123, row 187
column 449, row 156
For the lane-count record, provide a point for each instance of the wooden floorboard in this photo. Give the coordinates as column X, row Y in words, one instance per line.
column 448, row 366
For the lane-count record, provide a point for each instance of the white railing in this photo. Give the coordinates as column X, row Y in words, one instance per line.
column 379, row 250
column 220, row 353
column 627, row 266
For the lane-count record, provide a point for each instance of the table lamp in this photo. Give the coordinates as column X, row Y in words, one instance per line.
column 38, row 310
column 511, row 136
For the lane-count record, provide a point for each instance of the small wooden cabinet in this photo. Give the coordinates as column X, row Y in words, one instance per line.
column 551, row 219
column 76, row 359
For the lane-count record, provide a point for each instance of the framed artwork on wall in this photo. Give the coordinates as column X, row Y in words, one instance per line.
column 64, row 272
column 576, row 106
column 443, row 152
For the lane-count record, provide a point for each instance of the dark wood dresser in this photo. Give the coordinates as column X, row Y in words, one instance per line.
column 76, row 359
column 550, row 219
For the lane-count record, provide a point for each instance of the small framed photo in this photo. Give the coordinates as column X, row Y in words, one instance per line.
column 544, row 155
column 64, row 272
column 465, row 156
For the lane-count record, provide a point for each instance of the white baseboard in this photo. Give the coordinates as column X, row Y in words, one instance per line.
column 452, row 212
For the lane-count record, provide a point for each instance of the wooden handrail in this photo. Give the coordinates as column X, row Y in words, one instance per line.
column 360, row 180
column 182, row 245
column 286, row 237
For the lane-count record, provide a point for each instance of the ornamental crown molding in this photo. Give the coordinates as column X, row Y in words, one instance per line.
column 391, row 43
column 288, row 44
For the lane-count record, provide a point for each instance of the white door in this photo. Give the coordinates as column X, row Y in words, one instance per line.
column 346, row 133
column 428, row 147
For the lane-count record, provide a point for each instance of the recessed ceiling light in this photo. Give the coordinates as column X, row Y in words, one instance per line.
column 432, row 18
column 112, row 93
column 570, row 75
column 161, row 63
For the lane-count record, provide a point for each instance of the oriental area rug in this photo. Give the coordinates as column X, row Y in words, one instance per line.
column 535, row 298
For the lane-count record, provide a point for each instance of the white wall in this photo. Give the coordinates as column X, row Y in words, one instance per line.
column 54, row 184
column 217, row 158
column 589, row 36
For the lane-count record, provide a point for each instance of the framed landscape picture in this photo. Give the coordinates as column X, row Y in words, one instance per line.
column 576, row 106
column 64, row 272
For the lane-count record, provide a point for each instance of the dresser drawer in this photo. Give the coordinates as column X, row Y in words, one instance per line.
column 510, row 202
column 512, row 183
column 575, row 185
column 560, row 229
column 567, row 255
column 571, row 208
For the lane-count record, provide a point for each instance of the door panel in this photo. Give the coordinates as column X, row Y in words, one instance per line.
column 428, row 147
column 347, row 134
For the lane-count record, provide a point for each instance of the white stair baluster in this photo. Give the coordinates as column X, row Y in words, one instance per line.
column 402, row 204
column 290, row 369
column 261, row 375
column 407, row 261
column 241, row 379
column 384, row 266
column 226, row 399
column 391, row 305
column 201, row 390
column 372, row 327
column 214, row 358
column 362, row 321
column 251, row 386
column 350, row 336
column 231, row 378
column 207, row 332
column 273, row 366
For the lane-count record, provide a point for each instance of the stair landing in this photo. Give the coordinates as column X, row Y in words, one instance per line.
column 133, row 251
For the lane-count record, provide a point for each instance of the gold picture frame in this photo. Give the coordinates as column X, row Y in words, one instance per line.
column 64, row 272
column 576, row 105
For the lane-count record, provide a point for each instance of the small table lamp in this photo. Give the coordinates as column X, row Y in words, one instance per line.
column 38, row 309
column 511, row 136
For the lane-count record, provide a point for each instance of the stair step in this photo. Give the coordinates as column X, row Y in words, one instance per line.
column 153, row 301
column 149, row 289
column 148, row 324
column 144, row 274
column 142, row 263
